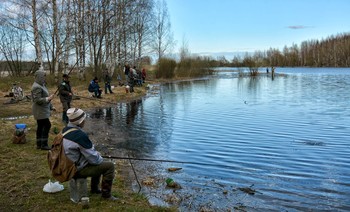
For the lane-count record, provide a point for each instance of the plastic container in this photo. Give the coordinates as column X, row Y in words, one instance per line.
column 20, row 126
column 20, row 129
column 78, row 189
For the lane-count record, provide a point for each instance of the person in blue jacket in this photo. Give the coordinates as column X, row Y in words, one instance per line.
column 94, row 87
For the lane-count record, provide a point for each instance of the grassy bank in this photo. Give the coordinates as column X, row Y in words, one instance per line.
column 24, row 170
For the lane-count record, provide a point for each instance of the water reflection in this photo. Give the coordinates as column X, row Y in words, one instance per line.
column 98, row 113
column 132, row 111
column 287, row 136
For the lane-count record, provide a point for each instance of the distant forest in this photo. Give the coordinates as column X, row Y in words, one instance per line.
column 333, row 51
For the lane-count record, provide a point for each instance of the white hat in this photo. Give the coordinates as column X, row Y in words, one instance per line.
column 76, row 116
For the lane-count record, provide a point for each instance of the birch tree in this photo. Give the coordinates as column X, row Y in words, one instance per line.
column 36, row 33
column 141, row 26
column 162, row 30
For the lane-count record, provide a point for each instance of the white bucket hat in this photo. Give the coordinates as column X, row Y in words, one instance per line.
column 76, row 116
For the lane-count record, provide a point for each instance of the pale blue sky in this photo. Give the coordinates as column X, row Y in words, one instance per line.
column 249, row 25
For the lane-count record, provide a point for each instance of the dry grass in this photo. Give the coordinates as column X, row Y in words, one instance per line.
column 24, row 170
column 80, row 90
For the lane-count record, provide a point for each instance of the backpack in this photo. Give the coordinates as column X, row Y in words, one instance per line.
column 61, row 167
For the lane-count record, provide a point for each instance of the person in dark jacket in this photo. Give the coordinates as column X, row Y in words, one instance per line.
column 79, row 148
column 131, row 77
column 95, row 88
column 143, row 75
column 108, row 80
column 126, row 72
column 41, row 109
column 65, row 93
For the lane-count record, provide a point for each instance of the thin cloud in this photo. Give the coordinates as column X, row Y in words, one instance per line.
column 298, row 27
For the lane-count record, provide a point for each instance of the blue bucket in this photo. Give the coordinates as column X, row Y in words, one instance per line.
column 21, row 126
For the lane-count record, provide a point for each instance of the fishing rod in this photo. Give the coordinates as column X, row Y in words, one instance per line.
column 166, row 161
column 137, row 179
column 71, row 69
column 108, row 102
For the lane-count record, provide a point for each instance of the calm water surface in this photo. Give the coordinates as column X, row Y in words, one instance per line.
column 286, row 138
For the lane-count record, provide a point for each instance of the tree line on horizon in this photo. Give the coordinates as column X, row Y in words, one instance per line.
column 93, row 34
column 334, row 51
column 100, row 34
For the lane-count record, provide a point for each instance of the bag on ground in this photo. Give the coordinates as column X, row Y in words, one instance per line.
column 52, row 187
column 61, row 167
column 19, row 136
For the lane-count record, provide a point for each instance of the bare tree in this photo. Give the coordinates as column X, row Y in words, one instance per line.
column 36, row 32
column 67, row 43
column 99, row 19
column 12, row 44
column 184, row 51
column 141, row 28
column 79, row 28
column 56, row 37
column 100, row 32
column 162, row 29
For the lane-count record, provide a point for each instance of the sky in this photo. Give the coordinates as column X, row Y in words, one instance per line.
column 250, row 25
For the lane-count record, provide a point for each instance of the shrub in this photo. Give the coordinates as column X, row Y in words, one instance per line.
column 194, row 67
column 166, row 68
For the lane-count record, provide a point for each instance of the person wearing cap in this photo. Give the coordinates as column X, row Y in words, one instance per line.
column 65, row 93
column 41, row 109
column 95, row 88
column 80, row 149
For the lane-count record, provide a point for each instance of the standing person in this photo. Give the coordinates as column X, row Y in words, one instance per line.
column 131, row 78
column 79, row 148
column 139, row 77
column 143, row 75
column 273, row 73
column 108, row 80
column 95, row 88
column 126, row 72
column 41, row 109
column 65, row 93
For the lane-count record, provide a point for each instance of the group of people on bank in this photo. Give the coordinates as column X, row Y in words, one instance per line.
column 77, row 145
column 95, row 88
column 134, row 76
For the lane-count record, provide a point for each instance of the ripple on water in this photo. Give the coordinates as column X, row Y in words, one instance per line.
column 290, row 141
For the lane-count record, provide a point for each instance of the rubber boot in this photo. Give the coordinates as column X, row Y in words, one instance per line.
column 44, row 145
column 38, row 144
column 95, row 185
column 106, row 190
column 64, row 117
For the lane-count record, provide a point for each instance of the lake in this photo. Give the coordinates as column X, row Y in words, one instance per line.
column 249, row 144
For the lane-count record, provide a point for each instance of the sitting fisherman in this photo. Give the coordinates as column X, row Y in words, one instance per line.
column 79, row 148
column 17, row 92
column 94, row 87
